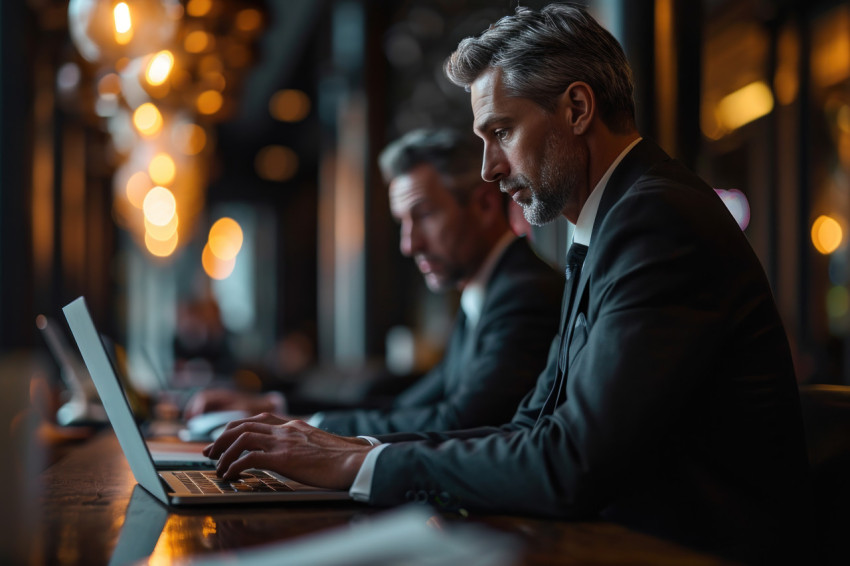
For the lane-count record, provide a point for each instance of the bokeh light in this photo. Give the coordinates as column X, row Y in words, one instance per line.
column 147, row 119
column 198, row 8
column 190, row 139
column 123, row 23
column 161, row 248
column 214, row 267
column 68, row 77
column 744, row 105
column 162, row 169
column 289, row 105
column 827, row 234
column 165, row 232
column 159, row 206
column 276, row 163
column 105, row 32
column 225, row 238
column 209, row 102
column 197, row 41
column 138, row 186
column 159, row 68
column 248, row 19
column 109, row 84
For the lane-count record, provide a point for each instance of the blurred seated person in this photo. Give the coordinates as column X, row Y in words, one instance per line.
column 202, row 343
column 456, row 228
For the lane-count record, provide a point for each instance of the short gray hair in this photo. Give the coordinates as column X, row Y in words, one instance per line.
column 455, row 156
column 542, row 53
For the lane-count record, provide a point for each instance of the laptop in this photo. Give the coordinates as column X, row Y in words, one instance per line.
column 174, row 487
column 83, row 407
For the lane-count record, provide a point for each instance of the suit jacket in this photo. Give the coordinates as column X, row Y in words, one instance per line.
column 677, row 410
column 485, row 372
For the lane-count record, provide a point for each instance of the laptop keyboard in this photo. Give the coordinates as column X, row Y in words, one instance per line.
column 209, row 483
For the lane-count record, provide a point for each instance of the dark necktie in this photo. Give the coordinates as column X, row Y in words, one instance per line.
column 575, row 260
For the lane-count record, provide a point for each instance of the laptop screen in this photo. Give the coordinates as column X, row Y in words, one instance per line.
column 112, row 396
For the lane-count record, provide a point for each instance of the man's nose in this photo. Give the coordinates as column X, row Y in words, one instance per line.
column 495, row 166
column 409, row 241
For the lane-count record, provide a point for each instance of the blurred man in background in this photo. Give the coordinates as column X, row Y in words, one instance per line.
column 455, row 227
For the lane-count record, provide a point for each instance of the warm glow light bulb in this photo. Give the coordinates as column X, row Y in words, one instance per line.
column 147, row 119
column 162, row 169
column 159, row 206
column 107, row 31
column 159, row 68
column 123, row 23
column 827, row 234
column 225, row 239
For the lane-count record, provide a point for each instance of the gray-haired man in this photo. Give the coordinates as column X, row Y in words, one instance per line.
column 669, row 402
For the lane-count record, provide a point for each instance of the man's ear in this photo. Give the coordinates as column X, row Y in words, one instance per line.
column 579, row 107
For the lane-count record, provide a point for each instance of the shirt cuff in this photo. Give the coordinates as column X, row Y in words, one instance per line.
column 361, row 489
column 316, row 420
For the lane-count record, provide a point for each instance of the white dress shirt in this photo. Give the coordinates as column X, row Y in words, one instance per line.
column 587, row 216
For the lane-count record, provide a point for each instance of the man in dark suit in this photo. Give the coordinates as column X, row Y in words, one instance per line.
column 455, row 227
column 669, row 401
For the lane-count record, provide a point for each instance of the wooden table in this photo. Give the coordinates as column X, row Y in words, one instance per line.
column 90, row 501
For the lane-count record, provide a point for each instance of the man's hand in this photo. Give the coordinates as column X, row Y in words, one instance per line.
column 289, row 447
column 226, row 400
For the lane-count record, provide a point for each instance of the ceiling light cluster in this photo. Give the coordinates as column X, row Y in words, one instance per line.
column 164, row 73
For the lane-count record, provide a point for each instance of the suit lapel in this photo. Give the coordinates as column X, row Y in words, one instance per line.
column 456, row 352
column 463, row 340
column 640, row 159
column 581, row 287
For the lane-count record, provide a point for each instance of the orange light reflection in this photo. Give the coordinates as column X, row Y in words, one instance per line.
column 225, row 239
column 216, row 268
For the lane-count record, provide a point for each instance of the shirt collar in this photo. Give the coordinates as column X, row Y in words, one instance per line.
column 474, row 293
column 587, row 216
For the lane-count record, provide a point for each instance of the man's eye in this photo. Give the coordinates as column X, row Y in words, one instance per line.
column 424, row 213
column 501, row 134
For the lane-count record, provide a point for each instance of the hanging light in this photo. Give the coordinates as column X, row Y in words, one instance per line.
column 106, row 30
